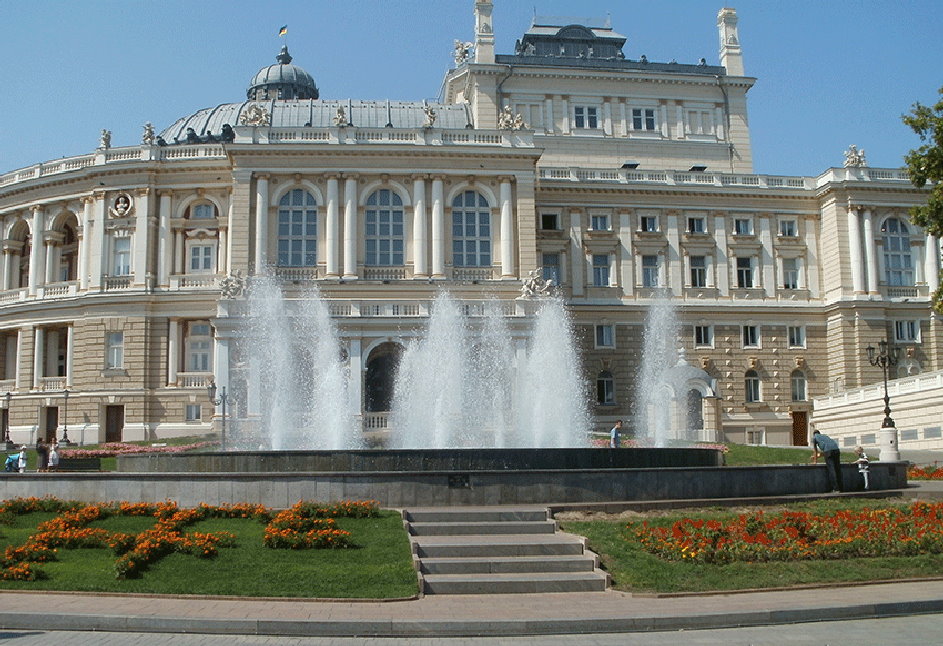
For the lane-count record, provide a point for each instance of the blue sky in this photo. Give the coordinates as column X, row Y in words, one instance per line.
column 830, row 73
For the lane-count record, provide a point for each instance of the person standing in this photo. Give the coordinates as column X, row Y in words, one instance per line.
column 614, row 435
column 42, row 454
column 53, row 456
column 824, row 445
column 21, row 462
column 864, row 465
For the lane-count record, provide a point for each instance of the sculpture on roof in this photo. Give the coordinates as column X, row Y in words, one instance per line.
column 536, row 285
column 227, row 135
column 192, row 137
column 507, row 120
column 462, row 51
column 431, row 116
column 105, row 140
column 147, row 138
column 340, row 119
column 854, row 158
column 255, row 115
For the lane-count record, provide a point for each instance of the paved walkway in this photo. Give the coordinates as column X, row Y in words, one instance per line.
column 468, row 615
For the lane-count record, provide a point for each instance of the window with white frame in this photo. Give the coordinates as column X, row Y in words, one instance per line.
column 383, row 230
column 601, row 270
column 650, row 271
column 297, row 229
column 121, row 257
column 898, row 263
column 907, row 331
column 201, row 256
column 551, row 267
column 585, row 116
column 114, row 350
column 788, row 228
column 798, row 382
column 743, row 226
column 643, row 119
column 648, row 223
column 698, row 270
column 550, row 221
column 198, row 346
column 751, row 381
column 697, row 224
column 790, row 273
column 605, row 336
column 194, row 413
column 795, row 334
column 703, row 336
column 756, row 436
column 203, row 211
column 605, row 388
column 471, row 230
column 744, row 272
column 750, row 335
column 599, row 222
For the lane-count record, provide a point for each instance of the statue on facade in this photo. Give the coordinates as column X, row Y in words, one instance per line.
column 104, row 141
column 255, row 115
column 507, row 120
column 340, row 119
column 462, row 51
column 122, row 206
column 233, row 286
column 535, row 285
column 431, row 116
column 854, row 158
column 147, row 138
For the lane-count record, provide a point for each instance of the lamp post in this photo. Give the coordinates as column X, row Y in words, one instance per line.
column 65, row 418
column 6, row 423
column 221, row 400
column 886, row 357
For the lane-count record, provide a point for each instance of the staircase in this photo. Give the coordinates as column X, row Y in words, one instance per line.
column 498, row 550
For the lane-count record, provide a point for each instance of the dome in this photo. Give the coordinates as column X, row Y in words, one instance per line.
column 282, row 81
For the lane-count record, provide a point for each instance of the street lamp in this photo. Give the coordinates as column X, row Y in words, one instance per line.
column 6, row 423
column 221, row 400
column 65, row 418
column 886, row 357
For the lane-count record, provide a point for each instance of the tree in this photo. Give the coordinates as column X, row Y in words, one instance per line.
column 925, row 165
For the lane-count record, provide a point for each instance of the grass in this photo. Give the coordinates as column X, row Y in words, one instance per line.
column 742, row 455
column 378, row 567
column 633, row 569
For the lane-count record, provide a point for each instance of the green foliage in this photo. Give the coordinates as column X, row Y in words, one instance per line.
column 925, row 165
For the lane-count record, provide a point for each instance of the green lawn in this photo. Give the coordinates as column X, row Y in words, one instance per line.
column 378, row 567
column 741, row 455
column 633, row 569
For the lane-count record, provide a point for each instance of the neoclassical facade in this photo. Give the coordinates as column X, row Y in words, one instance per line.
column 621, row 179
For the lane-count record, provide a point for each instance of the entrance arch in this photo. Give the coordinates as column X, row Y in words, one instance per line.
column 380, row 377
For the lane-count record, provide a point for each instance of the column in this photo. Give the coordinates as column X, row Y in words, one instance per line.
column 438, row 228
column 627, row 280
column 932, row 261
column 766, row 269
column 355, row 370
column 420, row 236
column 578, row 258
column 854, row 256
column 565, row 117
column 331, row 228
column 69, row 351
column 222, row 249
column 97, row 243
column 679, row 122
column 52, row 240
column 624, row 124
column 261, row 223
column 84, row 239
column 178, row 252
column 39, row 342
column 141, row 236
column 350, row 228
column 719, row 120
column 36, row 251
column 221, row 364
column 870, row 254
column 164, row 233
column 721, row 260
column 812, row 255
column 548, row 115
column 507, row 230
column 173, row 342
column 607, row 118
column 8, row 256
column 671, row 270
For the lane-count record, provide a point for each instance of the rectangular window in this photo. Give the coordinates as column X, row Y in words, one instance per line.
column 122, row 257
column 788, row 228
column 648, row 223
column 696, row 224
column 790, row 273
column 601, row 270
column 907, row 331
column 643, row 118
column 869, row 438
column 698, row 271
column 551, row 267
column 198, row 347
column 751, row 336
column 194, row 412
column 850, row 440
column 703, row 336
column 742, row 227
column 798, row 386
column 796, row 335
column 756, row 437
column 203, row 211
column 700, row 122
column 932, row 432
column 752, row 384
column 599, row 222
column 649, row 271
column 114, row 350
column 584, row 116
column 605, row 336
column 201, row 258
column 907, row 435
column 744, row 273
column 549, row 221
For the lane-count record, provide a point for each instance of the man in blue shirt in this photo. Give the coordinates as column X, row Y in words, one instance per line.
column 824, row 445
column 614, row 439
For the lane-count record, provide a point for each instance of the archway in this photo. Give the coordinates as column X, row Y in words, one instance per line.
column 380, row 377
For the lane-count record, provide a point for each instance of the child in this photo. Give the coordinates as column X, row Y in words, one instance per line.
column 22, row 460
column 862, row 463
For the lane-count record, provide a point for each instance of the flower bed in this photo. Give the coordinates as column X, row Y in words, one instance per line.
column 917, row 529
column 925, row 473
column 305, row 525
column 111, row 449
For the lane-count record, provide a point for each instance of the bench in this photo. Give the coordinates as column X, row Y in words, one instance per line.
column 79, row 464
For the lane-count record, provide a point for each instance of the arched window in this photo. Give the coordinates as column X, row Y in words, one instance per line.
column 752, row 382
column 202, row 211
column 383, row 229
column 471, row 230
column 695, row 410
column 898, row 264
column 605, row 388
column 297, row 229
column 798, row 386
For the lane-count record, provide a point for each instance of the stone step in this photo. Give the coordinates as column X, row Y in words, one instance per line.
column 495, row 546
column 506, row 565
column 474, row 514
column 489, row 528
column 515, row 583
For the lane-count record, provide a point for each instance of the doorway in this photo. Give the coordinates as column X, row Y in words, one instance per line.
column 51, row 423
column 114, row 423
column 800, row 428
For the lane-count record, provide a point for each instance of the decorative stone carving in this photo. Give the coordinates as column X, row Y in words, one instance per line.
column 800, row 362
column 507, row 120
column 340, row 119
column 462, row 51
column 105, row 140
column 255, row 115
column 535, row 286
column 122, row 207
column 431, row 116
column 854, row 158
column 147, row 138
column 233, row 286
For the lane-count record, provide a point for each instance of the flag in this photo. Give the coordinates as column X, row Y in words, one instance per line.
column 283, row 30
